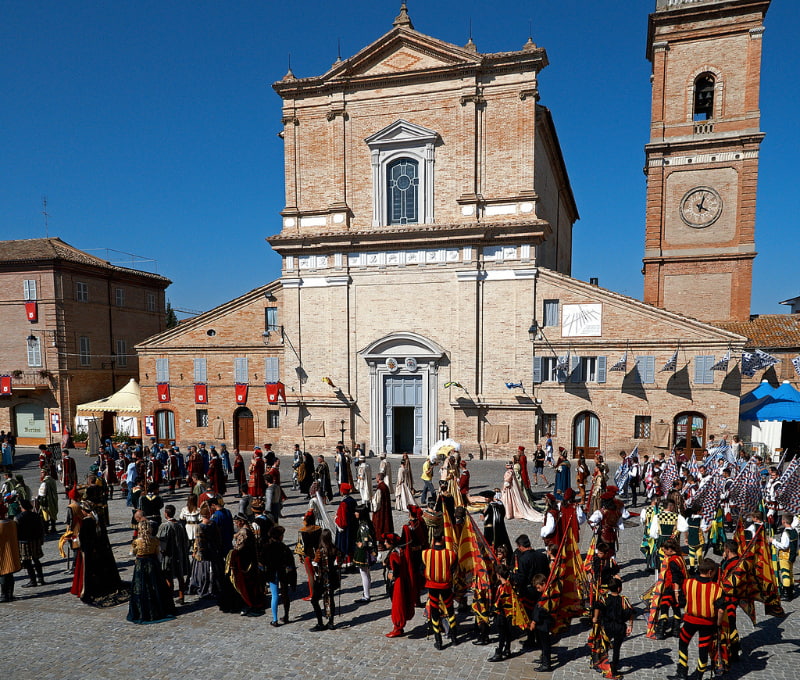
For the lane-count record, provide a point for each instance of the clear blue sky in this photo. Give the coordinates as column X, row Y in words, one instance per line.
column 151, row 126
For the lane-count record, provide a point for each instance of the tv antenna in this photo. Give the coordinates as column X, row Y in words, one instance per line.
column 46, row 216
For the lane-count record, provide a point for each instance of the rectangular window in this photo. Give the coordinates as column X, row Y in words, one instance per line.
column 34, row 351
column 271, row 318
column 550, row 315
column 241, row 374
column 81, row 291
column 273, row 419
column 645, row 369
column 703, row 375
column 271, row 370
column 29, row 289
column 122, row 353
column 641, row 427
column 150, row 302
column 85, row 351
column 549, row 422
column 588, row 369
column 119, row 297
column 200, row 371
column 201, row 415
column 550, row 372
column 162, row 370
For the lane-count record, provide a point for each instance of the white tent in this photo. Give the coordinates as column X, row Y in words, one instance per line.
column 126, row 403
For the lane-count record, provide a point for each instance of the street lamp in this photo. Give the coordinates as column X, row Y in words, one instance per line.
column 444, row 431
column 533, row 330
column 342, row 429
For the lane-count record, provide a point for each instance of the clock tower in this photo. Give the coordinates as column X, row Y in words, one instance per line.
column 702, row 157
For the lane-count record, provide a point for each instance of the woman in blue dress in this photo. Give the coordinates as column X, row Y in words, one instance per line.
column 562, row 467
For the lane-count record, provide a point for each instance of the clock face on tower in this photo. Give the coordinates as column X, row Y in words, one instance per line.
column 701, row 207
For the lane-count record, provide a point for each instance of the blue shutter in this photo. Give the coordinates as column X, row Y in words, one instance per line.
column 575, row 369
column 200, row 372
column 240, row 370
column 271, row 370
column 162, row 370
column 650, row 369
column 537, row 369
column 703, row 375
column 601, row 369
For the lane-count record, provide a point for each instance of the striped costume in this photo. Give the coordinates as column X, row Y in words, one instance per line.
column 439, row 564
column 704, row 598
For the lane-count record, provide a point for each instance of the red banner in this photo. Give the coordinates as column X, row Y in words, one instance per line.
column 275, row 391
column 241, row 393
column 5, row 384
column 32, row 311
column 200, row 393
column 163, row 392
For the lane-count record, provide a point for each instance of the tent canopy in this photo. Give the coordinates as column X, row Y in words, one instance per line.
column 782, row 405
column 760, row 392
column 126, row 400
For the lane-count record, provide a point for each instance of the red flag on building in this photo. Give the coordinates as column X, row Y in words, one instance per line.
column 241, row 393
column 282, row 391
column 163, row 392
column 5, row 384
column 272, row 392
column 200, row 393
column 32, row 311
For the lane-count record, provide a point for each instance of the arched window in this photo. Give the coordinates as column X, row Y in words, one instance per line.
column 402, row 191
column 704, row 96
column 690, row 432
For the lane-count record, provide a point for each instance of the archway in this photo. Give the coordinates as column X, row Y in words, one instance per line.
column 690, row 432
column 586, row 434
column 243, row 429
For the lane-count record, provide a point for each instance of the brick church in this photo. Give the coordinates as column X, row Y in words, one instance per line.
column 426, row 244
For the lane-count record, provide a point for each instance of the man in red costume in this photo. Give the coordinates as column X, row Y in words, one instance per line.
column 414, row 540
column 397, row 576
column 382, row 507
column 69, row 472
column 523, row 467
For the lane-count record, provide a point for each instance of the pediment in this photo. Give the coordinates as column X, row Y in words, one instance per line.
column 402, row 345
column 402, row 51
column 402, row 132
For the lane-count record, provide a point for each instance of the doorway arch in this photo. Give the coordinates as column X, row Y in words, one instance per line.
column 243, row 429
column 586, row 434
column 689, row 432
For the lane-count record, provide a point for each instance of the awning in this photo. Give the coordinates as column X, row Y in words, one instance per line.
column 760, row 392
column 782, row 405
column 126, row 400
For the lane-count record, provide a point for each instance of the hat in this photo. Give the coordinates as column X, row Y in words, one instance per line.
column 415, row 511
column 488, row 495
column 550, row 497
column 345, row 488
column 201, row 443
column 212, row 447
column 569, row 494
column 463, row 463
column 309, row 514
column 87, row 506
column 393, row 539
column 240, row 517
column 561, row 449
column 613, row 489
column 607, row 495
column 520, row 448
column 257, row 504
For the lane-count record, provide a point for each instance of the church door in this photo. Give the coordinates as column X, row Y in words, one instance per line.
column 402, row 401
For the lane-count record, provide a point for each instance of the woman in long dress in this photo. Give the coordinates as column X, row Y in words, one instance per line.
column 403, row 488
column 206, row 563
column 101, row 584
column 151, row 600
column 406, row 459
column 525, row 490
column 516, row 506
column 562, row 468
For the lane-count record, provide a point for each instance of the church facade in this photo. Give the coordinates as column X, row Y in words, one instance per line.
column 425, row 289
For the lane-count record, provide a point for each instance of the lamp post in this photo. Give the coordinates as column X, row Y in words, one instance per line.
column 342, row 430
column 444, row 431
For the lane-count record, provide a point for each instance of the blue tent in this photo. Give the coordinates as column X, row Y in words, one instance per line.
column 782, row 405
column 763, row 390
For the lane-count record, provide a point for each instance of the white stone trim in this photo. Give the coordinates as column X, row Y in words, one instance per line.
column 724, row 157
column 313, row 221
column 500, row 209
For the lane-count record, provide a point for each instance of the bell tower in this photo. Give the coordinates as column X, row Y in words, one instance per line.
column 702, row 157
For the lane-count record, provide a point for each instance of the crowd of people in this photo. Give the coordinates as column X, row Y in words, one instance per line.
column 453, row 544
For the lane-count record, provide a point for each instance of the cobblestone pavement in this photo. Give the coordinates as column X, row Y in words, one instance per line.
column 49, row 633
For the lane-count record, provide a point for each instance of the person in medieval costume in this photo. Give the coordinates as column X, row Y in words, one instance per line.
column 257, row 484
column 403, row 488
column 398, row 585
column 364, row 480
column 382, row 518
column 562, row 468
column 346, row 524
column 48, row 502
column 322, row 474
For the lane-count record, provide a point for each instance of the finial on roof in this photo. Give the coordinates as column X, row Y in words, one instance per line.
column 338, row 51
column 289, row 74
column 403, row 19
column 471, row 46
column 530, row 45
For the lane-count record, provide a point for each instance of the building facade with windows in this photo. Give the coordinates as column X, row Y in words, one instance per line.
column 217, row 377
column 70, row 321
column 426, row 244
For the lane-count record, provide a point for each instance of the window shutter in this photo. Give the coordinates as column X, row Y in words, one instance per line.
column 703, row 375
column 240, row 371
column 575, row 369
column 537, row 369
column 162, row 370
column 601, row 369
column 200, row 371
column 271, row 372
column 650, row 369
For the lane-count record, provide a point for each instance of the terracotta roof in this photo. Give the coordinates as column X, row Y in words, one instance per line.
column 771, row 331
column 48, row 249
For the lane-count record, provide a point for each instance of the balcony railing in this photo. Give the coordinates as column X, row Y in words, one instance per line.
column 703, row 128
column 31, row 379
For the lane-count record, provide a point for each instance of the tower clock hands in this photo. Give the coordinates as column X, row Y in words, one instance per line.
column 701, row 205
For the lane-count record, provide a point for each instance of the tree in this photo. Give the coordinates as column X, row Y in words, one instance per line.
column 171, row 319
